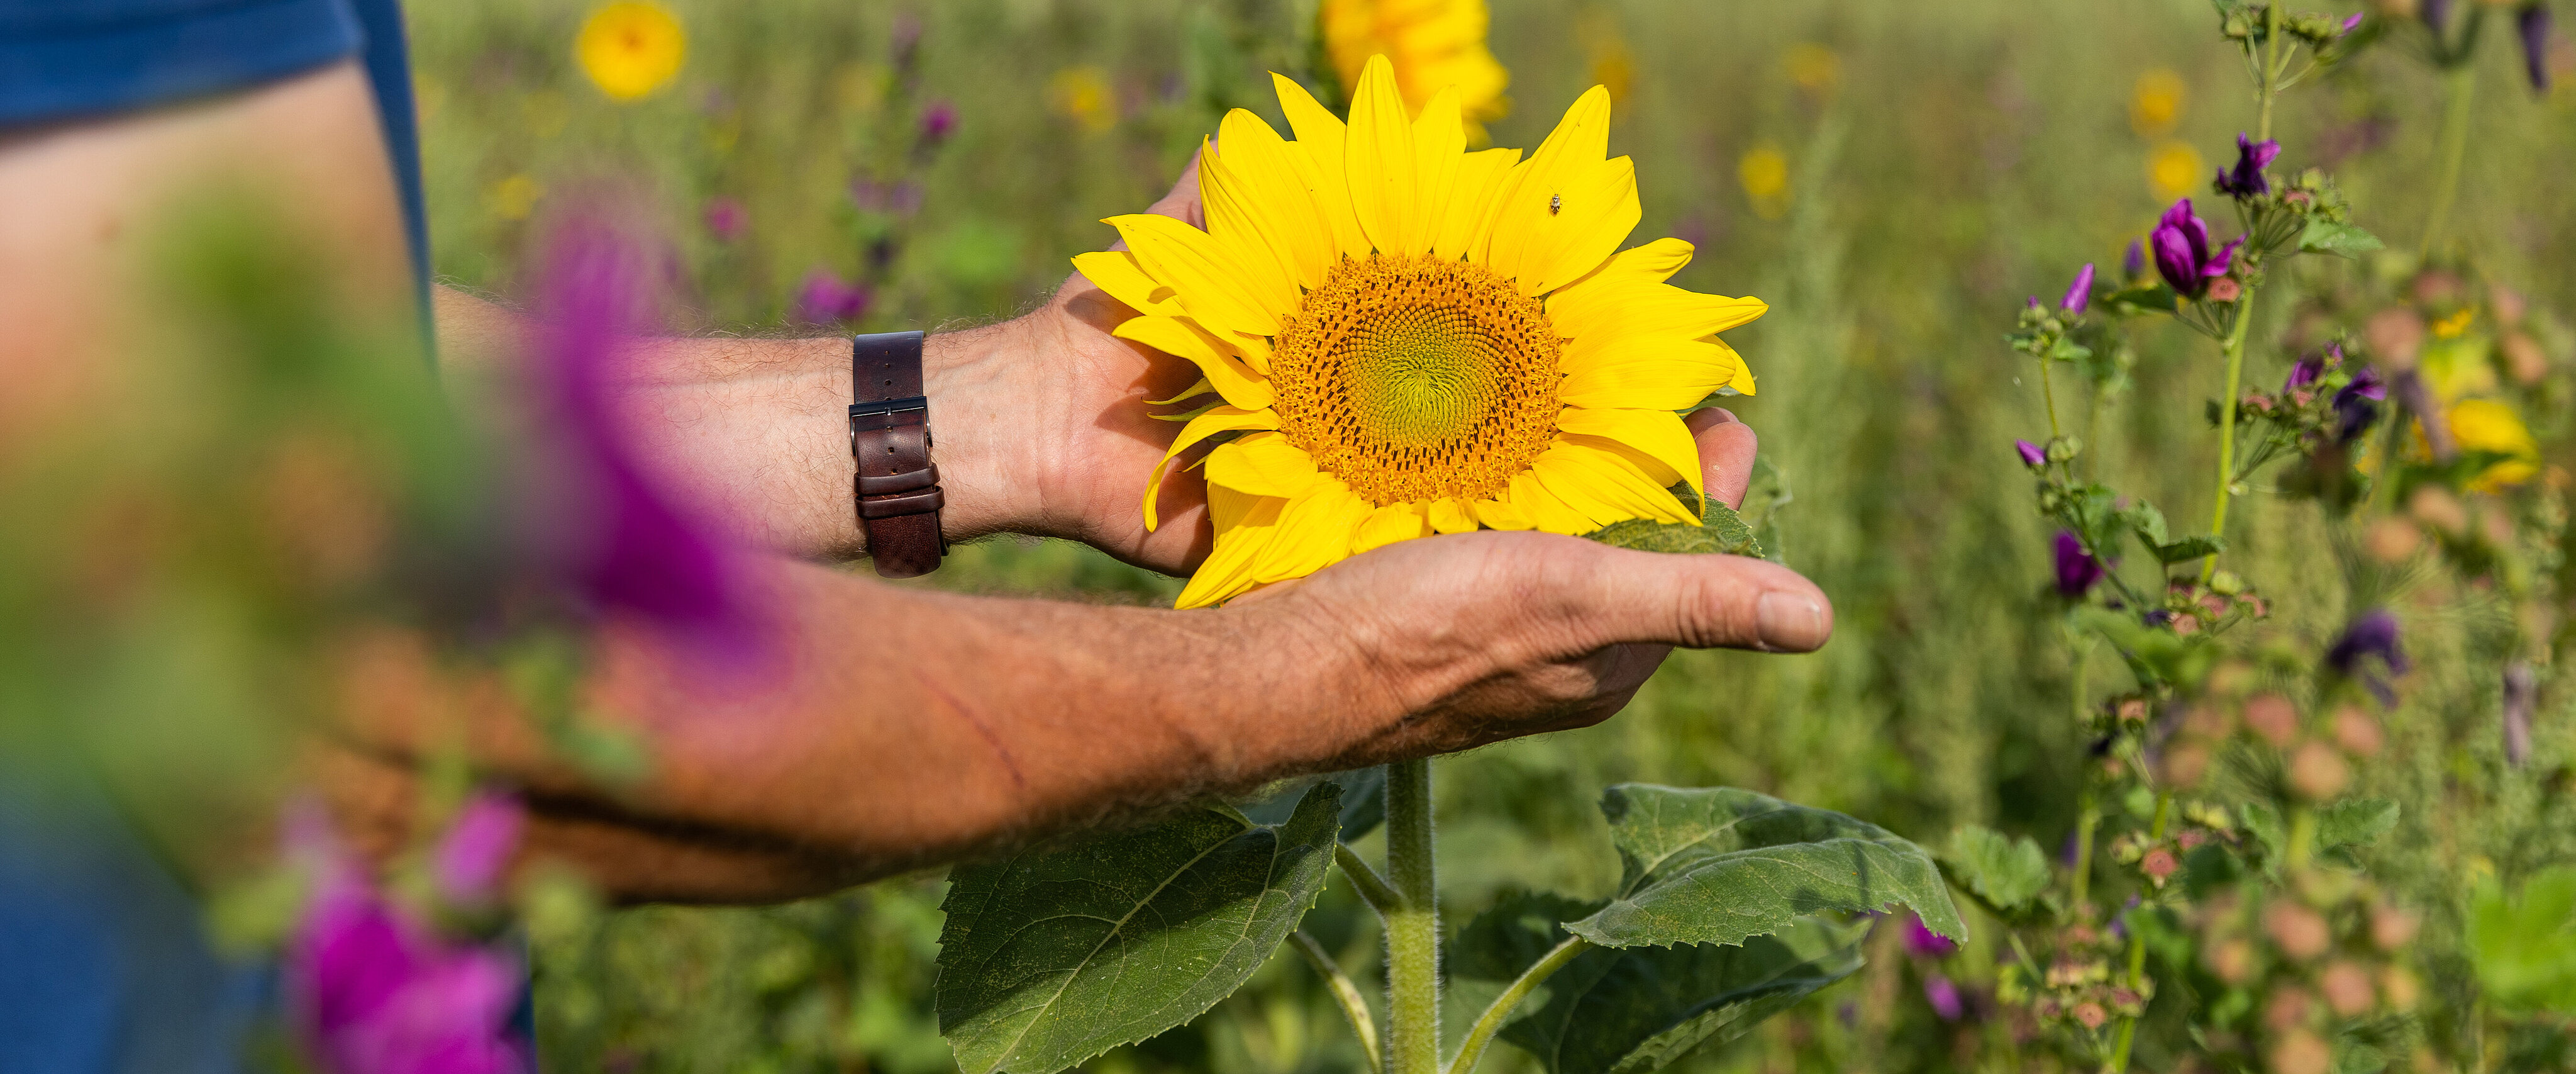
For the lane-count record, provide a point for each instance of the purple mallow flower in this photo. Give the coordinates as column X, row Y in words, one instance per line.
column 1945, row 997
column 2181, row 240
column 2350, row 23
column 372, row 991
column 725, row 219
column 2077, row 570
column 825, row 298
column 633, row 549
column 477, row 848
column 937, row 122
column 2304, row 372
column 2374, row 634
column 2134, row 263
column 2079, row 294
column 2533, row 22
column 2032, row 455
column 2246, row 179
column 2357, row 405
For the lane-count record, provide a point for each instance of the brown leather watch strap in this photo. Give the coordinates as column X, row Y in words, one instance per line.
column 897, row 491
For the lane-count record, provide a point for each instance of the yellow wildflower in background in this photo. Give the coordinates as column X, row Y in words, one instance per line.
column 1410, row 338
column 2155, row 103
column 1764, row 172
column 2175, row 170
column 2452, row 326
column 1613, row 65
column 1432, row 44
column 1813, row 67
column 1082, row 95
column 515, row 197
column 2490, row 426
column 631, row 48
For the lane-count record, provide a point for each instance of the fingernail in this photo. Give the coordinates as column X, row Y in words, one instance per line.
column 1789, row 621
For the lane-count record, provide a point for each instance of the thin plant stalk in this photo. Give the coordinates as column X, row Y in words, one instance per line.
column 2235, row 348
column 2457, row 83
column 1345, row 994
column 1491, row 1022
column 2138, row 948
column 1413, row 929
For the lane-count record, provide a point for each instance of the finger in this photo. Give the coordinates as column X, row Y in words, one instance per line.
column 1704, row 601
column 1726, row 449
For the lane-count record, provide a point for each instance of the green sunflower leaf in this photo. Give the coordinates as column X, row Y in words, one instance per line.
column 1633, row 1010
column 1721, row 530
column 1719, row 865
column 1086, row 942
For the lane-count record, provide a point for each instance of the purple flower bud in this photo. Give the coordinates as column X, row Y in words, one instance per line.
column 2134, row 263
column 1922, row 942
column 2357, row 405
column 2031, row 454
column 937, row 122
column 469, row 861
column 826, row 299
column 2077, row 570
column 2217, row 266
column 2079, row 294
column 725, row 218
column 2374, row 634
column 2533, row 22
column 2246, row 179
column 2304, row 372
column 1944, row 997
column 2350, row 23
column 2436, row 13
column 2181, row 242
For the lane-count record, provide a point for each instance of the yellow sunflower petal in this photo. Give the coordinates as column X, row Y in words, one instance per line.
column 1743, row 382
column 1439, row 149
column 1657, row 375
column 1543, row 509
column 1322, row 138
column 1315, row 532
column 1583, row 226
column 1452, row 515
column 1203, row 387
column 1117, row 273
column 1268, row 166
column 1503, row 516
column 1254, row 350
column 1389, row 524
column 1264, row 464
column 1245, row 526
column 1659, row 435
column 1180, row 338
column 1468, row 214
column 1523, row 228
column 1219, row 420
column 1604, row 486
column 1636, row 266
column 1653, row 311
column 1380, row 159
column 1256, row 233
column 1193, row 263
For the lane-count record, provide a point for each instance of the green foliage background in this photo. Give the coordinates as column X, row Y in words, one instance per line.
column 1969, row 152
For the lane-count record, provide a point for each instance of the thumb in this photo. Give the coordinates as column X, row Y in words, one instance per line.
column 1182, row 202
column 1708, row 601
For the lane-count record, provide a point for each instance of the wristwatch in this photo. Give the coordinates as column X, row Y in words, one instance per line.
column 897, row 493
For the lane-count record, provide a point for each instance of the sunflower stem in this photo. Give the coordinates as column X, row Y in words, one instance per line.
column 1345, row 994
column 1491, row 1022
column 1413, row 926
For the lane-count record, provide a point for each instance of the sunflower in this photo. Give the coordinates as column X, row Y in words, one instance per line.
column 1409, row 338
column 1434, row 45
column 631, row 48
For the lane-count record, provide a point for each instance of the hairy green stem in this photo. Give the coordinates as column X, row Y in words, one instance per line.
column 2235, row 348
column 2456, row 84
column 2138, row 948
column 1373, row 888
column 1413, row 929
column 2048, row 391
column 1346, row 994
column 1491, row 1022
column 2271, row 71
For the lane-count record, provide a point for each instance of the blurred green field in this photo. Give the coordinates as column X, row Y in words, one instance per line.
column 1942, row 161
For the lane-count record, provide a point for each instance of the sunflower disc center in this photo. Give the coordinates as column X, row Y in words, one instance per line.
column 1417, row 378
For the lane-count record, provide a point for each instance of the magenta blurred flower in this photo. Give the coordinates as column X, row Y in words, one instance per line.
column 2357, row 405
column 1945, row 998
column 1922, row 942
column 2134, row 263
column 726, row 218
column 2350, row 23
column 635, row 549
column 937, row 122
column 2436, row 13
column 826, row 299
column 2181, row 241
column 373, row 992
column 2310, row 367
column 2533, row 23
column 477, row 848
column 2077, row 570
column 894, row 199
column 2079, row 295
column 2374, row 634
column 2246, row 179
column 2031, row 454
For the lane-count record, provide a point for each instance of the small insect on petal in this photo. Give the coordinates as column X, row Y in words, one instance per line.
column 1555, row 204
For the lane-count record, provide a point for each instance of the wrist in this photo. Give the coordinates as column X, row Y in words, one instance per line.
column 989, row 429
